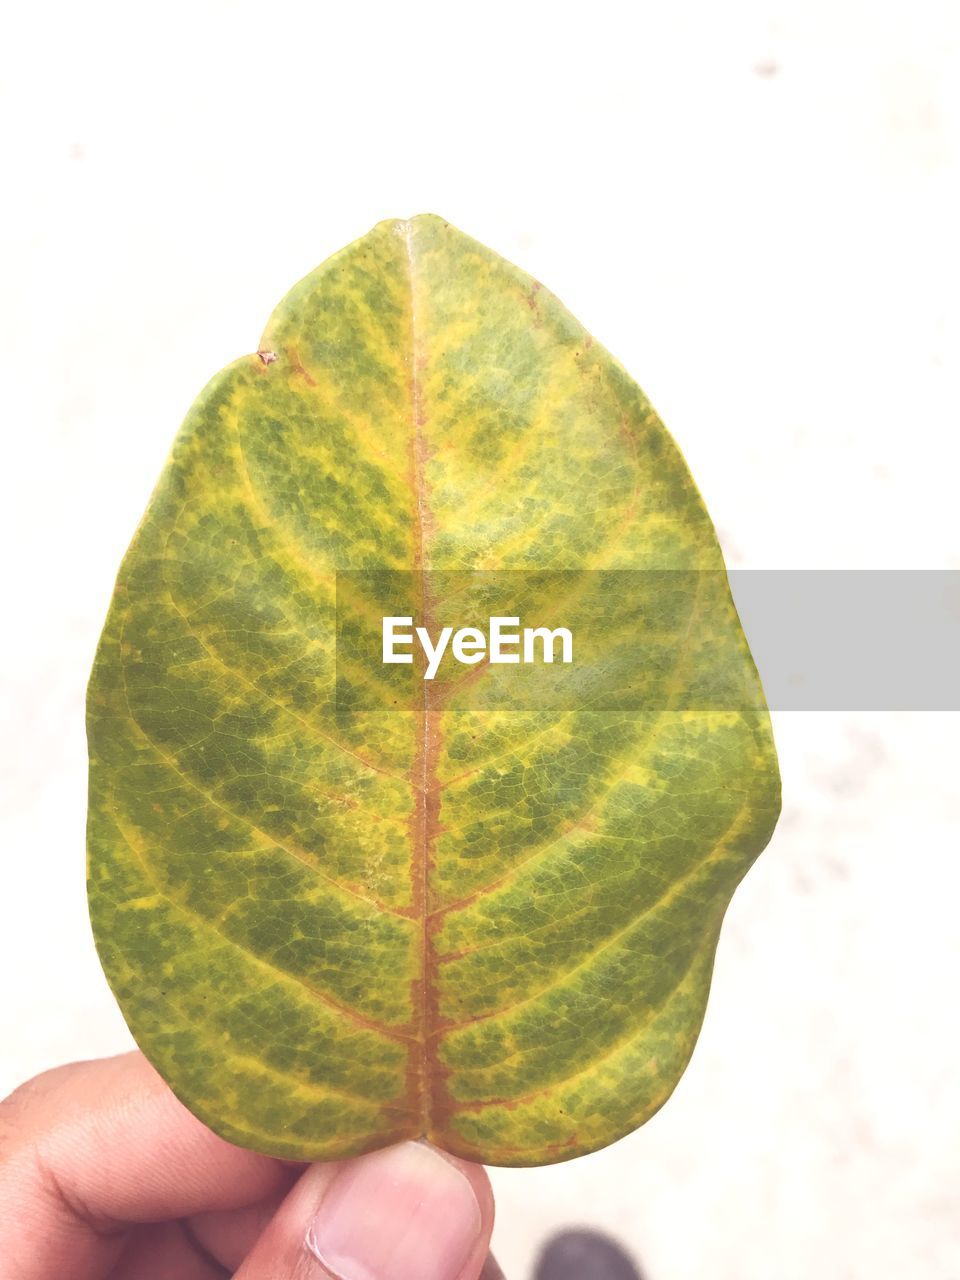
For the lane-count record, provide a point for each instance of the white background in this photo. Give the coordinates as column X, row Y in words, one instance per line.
column 755, row 206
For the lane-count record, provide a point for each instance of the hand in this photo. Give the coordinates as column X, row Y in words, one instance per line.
column 104, row 1175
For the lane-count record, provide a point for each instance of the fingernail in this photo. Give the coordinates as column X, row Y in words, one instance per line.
column 404, row 1213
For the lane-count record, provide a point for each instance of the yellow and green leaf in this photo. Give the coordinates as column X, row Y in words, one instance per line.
column 338, row 911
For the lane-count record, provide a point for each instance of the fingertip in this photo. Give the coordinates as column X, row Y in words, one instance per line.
column 479, row 1181
column 406, row 1212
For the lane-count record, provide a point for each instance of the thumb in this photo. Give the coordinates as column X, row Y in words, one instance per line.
column 408, row 1212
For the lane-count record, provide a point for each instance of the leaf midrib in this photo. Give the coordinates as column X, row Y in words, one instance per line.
column 425, row 1072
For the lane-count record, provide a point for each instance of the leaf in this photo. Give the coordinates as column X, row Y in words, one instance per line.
column 338, row 910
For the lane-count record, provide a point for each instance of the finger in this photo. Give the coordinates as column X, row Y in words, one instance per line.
column 162, row 1251
column 91, row 1148
column 228, row 1235
column 206, row 1246
column 407, row 1212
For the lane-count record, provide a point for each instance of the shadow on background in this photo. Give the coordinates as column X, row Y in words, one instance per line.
column 584, row 1255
